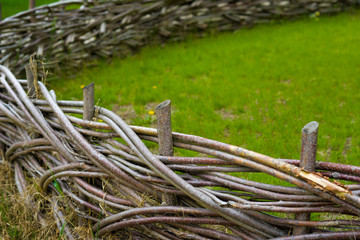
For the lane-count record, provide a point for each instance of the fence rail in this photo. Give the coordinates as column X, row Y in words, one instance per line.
column 122, row 188
column 68, row 33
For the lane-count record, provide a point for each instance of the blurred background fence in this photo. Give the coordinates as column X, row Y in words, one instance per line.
column 68, row 33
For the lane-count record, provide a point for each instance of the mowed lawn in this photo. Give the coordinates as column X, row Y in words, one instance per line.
column 254, row 88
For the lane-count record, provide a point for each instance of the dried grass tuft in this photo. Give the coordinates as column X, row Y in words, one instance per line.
column 19, row 215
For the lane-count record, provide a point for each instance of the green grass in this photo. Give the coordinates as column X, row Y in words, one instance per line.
column 254, row 88
column 11, row 7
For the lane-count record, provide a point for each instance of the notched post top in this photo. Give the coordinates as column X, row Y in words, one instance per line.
column 311, row 127
column 89, row 87
column 164, row 104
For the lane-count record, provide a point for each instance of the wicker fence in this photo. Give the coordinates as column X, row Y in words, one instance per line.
column 71, row 32
column 121, row 188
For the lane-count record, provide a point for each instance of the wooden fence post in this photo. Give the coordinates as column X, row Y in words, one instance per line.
column 89, row 103
column 163, row 116
column 31, row 6
column 30, row 81
column 309, row 135
column 88, row 114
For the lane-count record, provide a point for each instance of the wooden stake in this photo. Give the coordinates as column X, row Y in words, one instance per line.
column 89, row 109
column 30, row 80
column 89, row 104
column 309, row 135
column 31, row 6
column 166, row 148
column 163, row 115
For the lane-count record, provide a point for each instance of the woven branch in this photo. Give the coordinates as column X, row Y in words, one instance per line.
column 120, row 186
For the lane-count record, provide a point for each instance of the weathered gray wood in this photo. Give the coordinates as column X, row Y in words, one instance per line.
column 31, row 6
column 309, row 135
column 163, row 115
column 53, row 94
column 309, row 146
column 89, row 104
column 30, row 81
column 166, row 146
column 89, row 109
